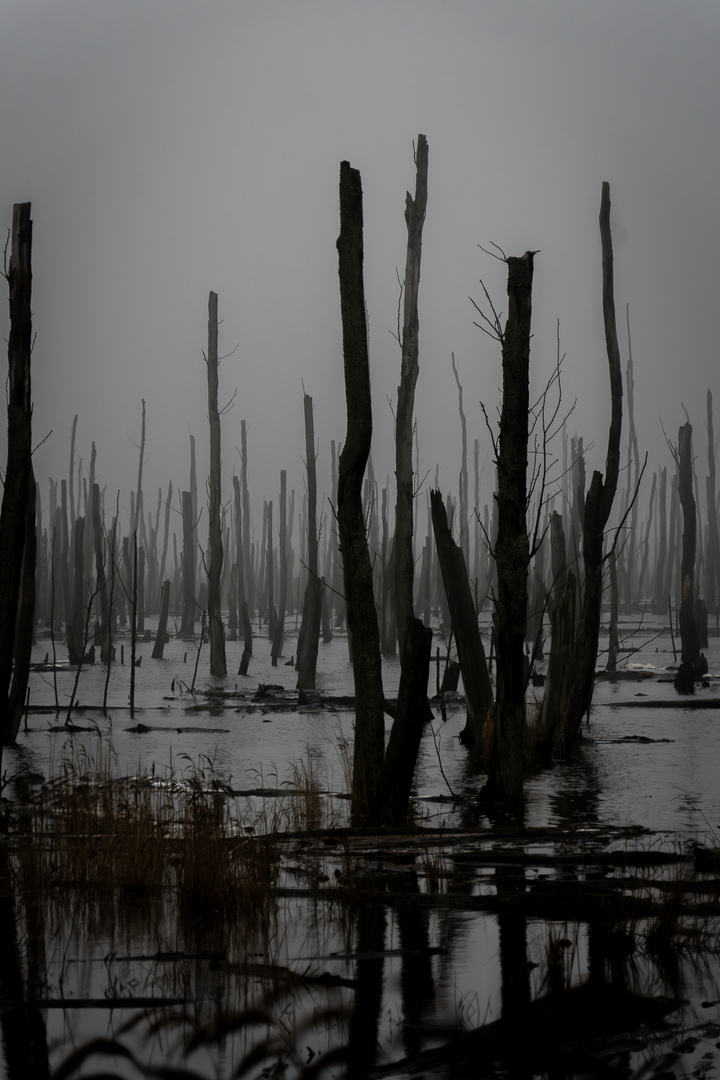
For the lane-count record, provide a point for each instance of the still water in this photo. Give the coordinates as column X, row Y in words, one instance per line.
column 410, row 968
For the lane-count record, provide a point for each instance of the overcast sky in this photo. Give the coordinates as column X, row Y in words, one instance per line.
column 172, row 148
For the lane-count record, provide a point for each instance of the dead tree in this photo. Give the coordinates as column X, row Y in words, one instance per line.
column 712, row 589
column 512, row 546
column 463, row 499
column 404, row 559
column 357, row 569
column 277, row 641
column 579, row 663
column 690, row 655
column 215, row 546
column 187, row 626
column 308, row 641
column 463, row 619
column 18, row 472
column 159, row 646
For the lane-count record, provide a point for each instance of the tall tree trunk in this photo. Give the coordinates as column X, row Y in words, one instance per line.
column 357, row 569
column 512, row 548
column 282, row 553
column 309, row 638
column 215, row 624
column 18, row 471
column 187, row 627
column 598, row 505
column 712, row 593
column 688, row 627
column 404, row 561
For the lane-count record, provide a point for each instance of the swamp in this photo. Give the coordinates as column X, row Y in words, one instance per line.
column 353, row 805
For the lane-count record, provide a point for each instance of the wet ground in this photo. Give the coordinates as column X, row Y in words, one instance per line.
column 394, row 945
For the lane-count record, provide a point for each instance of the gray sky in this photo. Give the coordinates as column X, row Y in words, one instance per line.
column 171, row 148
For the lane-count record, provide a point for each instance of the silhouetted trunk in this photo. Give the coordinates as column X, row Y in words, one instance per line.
column 215, row 625
column 74, row 631
column 659, row 577
column 18, row 471
column 712, row 591
column 357, row 568
column 187, row 627
column 282, row 550
column 247, row 631
column 158, row 648
column 404, row 560
column 463, row 477
column 512, row 548
column 598, row 504
column 413, row 711
column 25, row 616
column 688, row 627
column 307, row 649
column 471, row 654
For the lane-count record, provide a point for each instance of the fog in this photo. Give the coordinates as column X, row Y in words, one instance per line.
column 174, row 148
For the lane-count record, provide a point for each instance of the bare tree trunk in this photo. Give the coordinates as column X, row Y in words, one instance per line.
column 463, row 478
column 471, row 654
column 659, row 577
column 598, row 505
column 25, row 616
column 690, row 654
column 712, row 593
column 307, row 649
column 215, row 624
column 249, row 568
column 404, row 561
column 412, row 712
column 74, row 631
column 187, row 627
column 512, row 548
column 282, row 550
column 18, row 471
column 357, row 569
column 159, row 646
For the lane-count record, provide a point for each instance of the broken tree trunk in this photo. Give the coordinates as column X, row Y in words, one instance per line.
column 277, row 641
column 404, row 560
column 369, row 744
column 18, row 470
column 463, row 477
column 712, row 591
column 512, row 547
column 308, row 641
column 216, row 631
column 471, row 654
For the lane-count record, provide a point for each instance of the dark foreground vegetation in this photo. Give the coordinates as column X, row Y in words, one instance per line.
column 172, row 868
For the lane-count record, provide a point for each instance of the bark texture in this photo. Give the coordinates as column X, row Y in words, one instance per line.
column 357, row 568
column 512, row 548
column 216, row 632
column 18, row 471
column 404, row 560
column 309, row 638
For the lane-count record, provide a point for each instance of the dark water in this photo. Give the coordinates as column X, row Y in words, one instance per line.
column 411, row 965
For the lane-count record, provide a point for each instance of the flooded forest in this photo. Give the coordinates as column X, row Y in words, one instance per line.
column 420, row 783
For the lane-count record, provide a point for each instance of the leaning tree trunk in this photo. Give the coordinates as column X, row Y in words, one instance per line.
column 357, row 568
column 512, row 548
column 18, row 470
column 309, row 638
column 215, row 626
column 404, row 562
column 598, row 504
